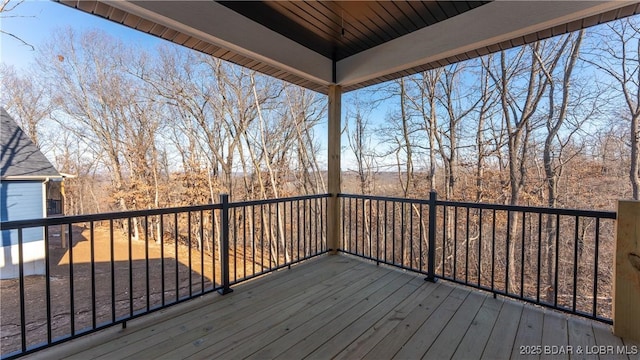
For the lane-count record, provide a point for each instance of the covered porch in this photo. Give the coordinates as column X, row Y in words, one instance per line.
column 378, row 306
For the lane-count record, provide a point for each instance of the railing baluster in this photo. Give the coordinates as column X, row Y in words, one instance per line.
column 362, row 220
column 244, row 241
column 299, row 227
column 201, row 246
column 72, row 303
column 370, row 228
column 291, row 228
column 555, row 283
column 269, row 238
column 393, row 232
column 466, row 252
column 385, row 231
column 445, row 237
column 322, row 227
column 130, row 253
column 304, row 228
column 420, row 237
column 350, row 227
column 23, row 318
column 224, row 257
column 175, row 254
column 146, row 261
column 402, row 231
column 596, row 256
column 47, row 277
column 410, row 236
column 431, row 257
column 162, row 272
column 575, row 262
column 213, row 247
column 377, row 232
column 455, row 242
column 508, row 242
column 93, row 274
column 539, row 257
column 189, row 253
column 480, row 247
column 493, row 251
column 262, row 238
column 235, row 245
column 524, row 215
column 253, row 239
column 113, row 272
column 356, row 226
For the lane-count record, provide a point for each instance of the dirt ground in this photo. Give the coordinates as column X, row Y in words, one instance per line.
column 143, row 269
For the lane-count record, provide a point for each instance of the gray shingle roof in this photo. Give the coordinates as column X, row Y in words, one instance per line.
column 19, row 156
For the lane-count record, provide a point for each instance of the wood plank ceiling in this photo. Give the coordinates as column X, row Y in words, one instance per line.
column 353, row 43
column 338, row 30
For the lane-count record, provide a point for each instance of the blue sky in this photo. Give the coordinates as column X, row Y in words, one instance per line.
column 34, row 21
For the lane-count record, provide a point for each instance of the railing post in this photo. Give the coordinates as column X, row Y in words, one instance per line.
column 224, row 248
column 626, row 271
column 431, row 254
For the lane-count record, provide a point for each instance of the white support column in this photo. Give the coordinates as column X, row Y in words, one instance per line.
column 626, row 283
column 334, row 179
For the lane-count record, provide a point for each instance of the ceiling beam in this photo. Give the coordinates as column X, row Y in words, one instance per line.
column 486, row 25
column 220, row 26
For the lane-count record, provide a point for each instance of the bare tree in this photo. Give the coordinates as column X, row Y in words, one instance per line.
column 359, row 138
column 555, row 143
column 425, row 103
column 6, row 12
column 617, row 54
column 26, row 99
column 456, row 110
column 521, row 86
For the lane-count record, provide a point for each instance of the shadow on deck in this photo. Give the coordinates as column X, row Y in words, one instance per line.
column 344, row 308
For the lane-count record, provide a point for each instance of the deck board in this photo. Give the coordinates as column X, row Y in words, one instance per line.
column 258, row 319
column 555, row 333
column 365, row 341
column 339, row 307
column 581, row 336
column 477, row 335
column 500, row 343
column 251, row 339
column 345, row 307
column 529, row 333
column 395, row 308
column 154, row 339
column 403, row 331
column 447, row 341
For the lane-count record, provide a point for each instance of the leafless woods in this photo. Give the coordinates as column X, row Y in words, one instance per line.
column 553, row 123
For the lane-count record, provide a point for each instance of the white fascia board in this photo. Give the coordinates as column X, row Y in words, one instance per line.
column 30, row 177
column 485, row 25
column 220, row 26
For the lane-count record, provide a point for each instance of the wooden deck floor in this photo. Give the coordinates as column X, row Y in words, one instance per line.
column 344, row 308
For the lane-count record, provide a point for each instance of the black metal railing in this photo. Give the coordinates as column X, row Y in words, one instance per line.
column 558, row 258
column 95, row 271
column 106, row 269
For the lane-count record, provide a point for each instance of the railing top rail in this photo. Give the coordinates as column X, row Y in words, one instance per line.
column 10, row 225
column 527, row 209
column 61, row 220
column 385, row 198
column 531, row 209
column 278, row 200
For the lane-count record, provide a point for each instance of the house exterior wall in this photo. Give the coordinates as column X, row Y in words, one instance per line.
column 20, row 200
